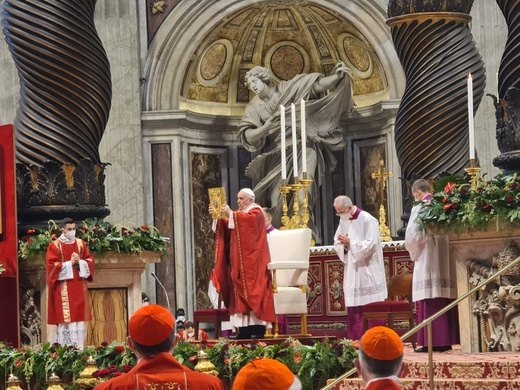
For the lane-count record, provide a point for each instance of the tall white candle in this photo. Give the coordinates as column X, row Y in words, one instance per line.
column 294, row 140
column 282, row 142
column 304, row 137
column 470, row 119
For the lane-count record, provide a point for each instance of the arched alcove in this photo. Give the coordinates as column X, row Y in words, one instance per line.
column 313, row 34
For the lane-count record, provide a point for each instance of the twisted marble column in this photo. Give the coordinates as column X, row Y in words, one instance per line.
column 65, row 80
column 437, row 53
column 508, row 104
column 65, row 98
column 509, row 71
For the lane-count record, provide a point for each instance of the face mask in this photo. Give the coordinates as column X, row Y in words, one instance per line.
column 71, row 234
column 345, row 217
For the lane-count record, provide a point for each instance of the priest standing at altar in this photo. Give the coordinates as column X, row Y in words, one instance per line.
column 69, row 267
column 434, row 282
column 358, row 245
column 241, row 259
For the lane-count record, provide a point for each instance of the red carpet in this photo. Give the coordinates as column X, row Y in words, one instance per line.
column 454, row 370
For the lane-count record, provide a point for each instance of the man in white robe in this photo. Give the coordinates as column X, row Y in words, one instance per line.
column 434, row 279
column 358, row 246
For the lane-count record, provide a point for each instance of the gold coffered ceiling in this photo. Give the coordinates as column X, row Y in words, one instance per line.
column 288, row 37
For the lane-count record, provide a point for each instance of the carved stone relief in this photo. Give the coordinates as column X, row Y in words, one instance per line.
column 30, row 326
column 498, row 308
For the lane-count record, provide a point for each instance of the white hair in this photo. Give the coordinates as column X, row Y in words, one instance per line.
column 343, row 200
column 249, row 192
column 296, row 385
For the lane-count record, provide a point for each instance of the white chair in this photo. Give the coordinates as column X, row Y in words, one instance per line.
column 289, row 251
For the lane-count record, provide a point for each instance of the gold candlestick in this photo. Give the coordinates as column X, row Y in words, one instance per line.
column 305, row 202
column 295, row 219
column 284, row 190
column 474, row 173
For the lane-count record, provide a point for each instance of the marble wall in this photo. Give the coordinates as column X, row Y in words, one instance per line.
column 116, row 23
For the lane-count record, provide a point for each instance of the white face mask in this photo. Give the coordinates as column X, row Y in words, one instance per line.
column 71, row 234
column 345, row 217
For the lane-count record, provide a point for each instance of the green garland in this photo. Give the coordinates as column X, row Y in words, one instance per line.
column 459, row 206
column 312, row 364
column 100, row 236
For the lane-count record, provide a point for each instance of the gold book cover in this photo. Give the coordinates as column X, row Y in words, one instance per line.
column 217, row 198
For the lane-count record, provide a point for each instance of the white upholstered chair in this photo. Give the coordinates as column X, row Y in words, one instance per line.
column 289, row 251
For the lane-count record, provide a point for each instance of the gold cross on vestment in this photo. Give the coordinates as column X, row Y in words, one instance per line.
column 381, row 177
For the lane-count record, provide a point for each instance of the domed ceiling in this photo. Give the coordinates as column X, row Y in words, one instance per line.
column 289, row 38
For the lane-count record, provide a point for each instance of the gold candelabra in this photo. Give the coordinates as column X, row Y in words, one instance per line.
column 474, row 173
column 300, row 212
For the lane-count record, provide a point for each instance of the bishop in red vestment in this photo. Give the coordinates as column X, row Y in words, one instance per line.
column 70, row 267
column 241, row 259
column 152, row 338
column 380, row 358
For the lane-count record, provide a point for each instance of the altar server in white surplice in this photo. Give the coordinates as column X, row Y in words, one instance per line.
column 358, row 246
column 434, row 280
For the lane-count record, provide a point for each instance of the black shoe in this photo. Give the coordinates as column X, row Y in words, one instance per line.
column 442, row 348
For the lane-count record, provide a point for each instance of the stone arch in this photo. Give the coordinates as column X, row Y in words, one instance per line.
column 174, row 45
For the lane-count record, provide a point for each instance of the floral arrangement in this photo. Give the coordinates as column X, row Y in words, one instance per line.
column 458, row 206
column 312, row 364
column 2, row 269
column 100, row 236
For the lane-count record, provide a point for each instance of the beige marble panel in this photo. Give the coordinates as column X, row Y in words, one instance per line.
column 118, row 27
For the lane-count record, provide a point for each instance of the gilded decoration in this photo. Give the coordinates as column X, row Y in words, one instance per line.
column 206, row 174
column 286, row 60
column 498, row 306
column 287, row 37
column 215, row 62
column 315, row 296
column 370, row 157
column 334, row 286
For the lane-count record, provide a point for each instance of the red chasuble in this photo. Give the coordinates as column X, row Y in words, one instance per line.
column 241, row 259
column 162, row 372
column 68, row 300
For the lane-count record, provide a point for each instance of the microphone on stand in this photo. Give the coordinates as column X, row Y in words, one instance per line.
column 164, row 289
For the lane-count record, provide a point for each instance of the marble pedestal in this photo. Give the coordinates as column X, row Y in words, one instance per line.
column 113, row 271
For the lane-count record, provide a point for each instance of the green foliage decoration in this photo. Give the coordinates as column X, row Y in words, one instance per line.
column 100, row 236
column 459, row 206
column 312, row 364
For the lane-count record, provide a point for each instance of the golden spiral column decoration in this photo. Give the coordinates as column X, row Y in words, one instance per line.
column 437, row 52
column 66, row 89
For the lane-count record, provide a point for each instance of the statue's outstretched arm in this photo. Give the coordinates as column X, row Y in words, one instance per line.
column 323, row 84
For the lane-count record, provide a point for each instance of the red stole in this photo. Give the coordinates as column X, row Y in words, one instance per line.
column 68, row 300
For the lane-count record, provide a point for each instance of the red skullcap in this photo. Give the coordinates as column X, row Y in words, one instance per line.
column 264, row 374
column 151, row 325
column 382, row 343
